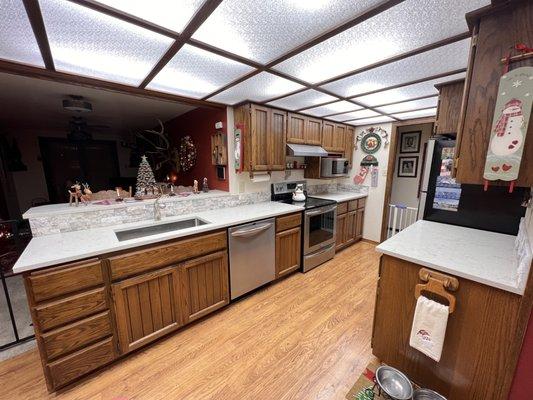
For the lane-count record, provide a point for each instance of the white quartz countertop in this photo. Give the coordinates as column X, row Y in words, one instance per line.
column 480, row 256
column 43, row 251
column 340, row 196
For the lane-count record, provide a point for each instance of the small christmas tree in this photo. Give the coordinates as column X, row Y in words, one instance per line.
column 145, row 178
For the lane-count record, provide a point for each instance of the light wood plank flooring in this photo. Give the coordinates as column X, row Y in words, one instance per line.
column 306, row 337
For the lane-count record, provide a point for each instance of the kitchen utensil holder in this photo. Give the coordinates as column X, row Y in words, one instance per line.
column 439, row 284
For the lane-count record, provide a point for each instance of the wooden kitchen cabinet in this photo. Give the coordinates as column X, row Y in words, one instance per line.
column 333, row 137
column 449, row 107
column 304, row 130
column 204, row 285
column 288, row 251
column 495, row 31
column 478, row 340
column 147, row 307
column 349, row 144
column 264, row 137
column 350, row 217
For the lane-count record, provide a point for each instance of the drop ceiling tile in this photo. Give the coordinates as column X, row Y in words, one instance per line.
column 371, row 121
column 17, row 42
column 263, row 30
column 387, row 34
column 443, row 59
column 303, row 99
column 354, row 115
column 86, row 42
column 417, row 114
column 332, row 108
column 260, row 87
column 410, row 105
column 170, row 14
column 407, row 92
column 195, row 73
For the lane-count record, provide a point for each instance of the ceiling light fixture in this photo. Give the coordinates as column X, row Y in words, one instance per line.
column 77, row 104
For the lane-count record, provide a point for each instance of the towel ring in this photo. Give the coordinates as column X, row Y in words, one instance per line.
column 439, row 284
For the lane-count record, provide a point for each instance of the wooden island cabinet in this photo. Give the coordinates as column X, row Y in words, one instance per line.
column 477, row 354
column 350, row 217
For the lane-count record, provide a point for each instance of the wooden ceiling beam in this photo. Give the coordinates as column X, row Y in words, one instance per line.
column 61, row 77
column 196, row 21
column 37, row 25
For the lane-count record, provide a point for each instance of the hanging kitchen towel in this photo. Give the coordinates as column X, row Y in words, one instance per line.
column 429, row 327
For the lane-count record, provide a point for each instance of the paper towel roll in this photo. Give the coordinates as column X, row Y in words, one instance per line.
column 261, row 177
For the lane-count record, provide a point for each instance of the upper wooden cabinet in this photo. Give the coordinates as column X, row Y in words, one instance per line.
column 449, row 107
column 333, row 137
column 264, row 132
column 304, row 130
column 494, row 34
column 349, row 144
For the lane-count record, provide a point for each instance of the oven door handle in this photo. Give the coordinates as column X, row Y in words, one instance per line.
column 321, row 251
column 317, row 212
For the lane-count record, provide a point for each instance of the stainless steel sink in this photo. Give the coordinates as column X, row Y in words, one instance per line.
column 135, row 233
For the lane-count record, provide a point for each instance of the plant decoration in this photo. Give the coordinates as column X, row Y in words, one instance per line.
column 373, row 133
column 187, row 153
column 145, row 179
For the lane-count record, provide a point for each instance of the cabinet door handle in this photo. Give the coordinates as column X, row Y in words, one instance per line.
column 251, row 232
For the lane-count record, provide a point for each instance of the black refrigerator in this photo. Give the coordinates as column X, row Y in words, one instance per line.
column 444, row 200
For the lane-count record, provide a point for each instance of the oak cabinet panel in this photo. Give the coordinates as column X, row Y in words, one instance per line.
column 146, row 307
column 276, row 140
column 477, row 344
column 328, row 135
column 359, row 224
column 484, row 72
column 341, row 231
column 288, row 221
column 288, row 248
column 204, row 285
column 296, row 128
column 350, row 228
column 349, row 144
column 259, row 138
column 313, row 131
column 449, row 107
column 339, row 138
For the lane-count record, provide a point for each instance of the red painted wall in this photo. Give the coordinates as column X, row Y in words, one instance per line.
column 199, row 124
column 522, row 388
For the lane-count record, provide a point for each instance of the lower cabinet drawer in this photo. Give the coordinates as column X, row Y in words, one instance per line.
column 352, row 205
column 74, row 336
column 342, row 208
column 361, row 202
column 288, row 222
column 69, row 309
column 67, row 369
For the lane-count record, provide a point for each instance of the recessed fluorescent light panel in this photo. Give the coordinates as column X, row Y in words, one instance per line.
column 17, row 41
column 371, row 121
column 355, row 115
column 196, row 73
column 410, row 105
column 404, row 27
column 302, row 99
column 417, row 114
column 90, row 43
column 440, row 60
column 170, row 14
column 264, row 30
column 332, row 108
column 260, row 87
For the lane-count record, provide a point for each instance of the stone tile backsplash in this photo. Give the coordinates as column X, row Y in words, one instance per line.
column 75, row 221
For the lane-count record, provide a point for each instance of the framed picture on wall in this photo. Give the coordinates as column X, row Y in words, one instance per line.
column 407, row 167
column 410, row 142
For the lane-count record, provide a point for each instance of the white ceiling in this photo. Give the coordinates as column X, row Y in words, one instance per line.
column 29, row 103
column 331, row 77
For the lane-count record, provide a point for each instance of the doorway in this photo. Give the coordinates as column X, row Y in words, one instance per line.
column 67, row 161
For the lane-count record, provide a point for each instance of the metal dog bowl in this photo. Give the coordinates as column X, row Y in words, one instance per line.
column 395, row 384
column 427, row 394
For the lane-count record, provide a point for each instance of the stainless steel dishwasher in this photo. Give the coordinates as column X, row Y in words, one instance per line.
column 252, row 256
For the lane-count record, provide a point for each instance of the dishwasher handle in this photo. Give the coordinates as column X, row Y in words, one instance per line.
column 251, row 232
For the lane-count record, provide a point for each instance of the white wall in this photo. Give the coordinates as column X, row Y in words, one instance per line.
column 376, row 195
column 405, row 190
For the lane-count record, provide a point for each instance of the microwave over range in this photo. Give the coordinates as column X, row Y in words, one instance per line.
column 333, row 167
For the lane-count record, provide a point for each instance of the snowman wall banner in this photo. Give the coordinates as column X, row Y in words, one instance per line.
column 509, row 127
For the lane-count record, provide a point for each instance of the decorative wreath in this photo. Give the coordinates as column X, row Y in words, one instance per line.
column 373, row 133
column 187, row 153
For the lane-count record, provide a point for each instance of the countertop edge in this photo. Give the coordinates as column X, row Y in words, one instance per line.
column 495, row 284
column 154, row 239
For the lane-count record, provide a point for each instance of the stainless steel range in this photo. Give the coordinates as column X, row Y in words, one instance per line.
column 318, row 224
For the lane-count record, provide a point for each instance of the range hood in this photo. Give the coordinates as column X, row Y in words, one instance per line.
column 305, row 150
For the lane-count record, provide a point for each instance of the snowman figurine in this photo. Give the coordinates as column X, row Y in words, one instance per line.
column 508, row 134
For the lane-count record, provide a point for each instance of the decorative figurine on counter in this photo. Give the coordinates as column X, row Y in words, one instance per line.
column 205, row 187
column 195, row 187
column 119, row 197
column 75, row 194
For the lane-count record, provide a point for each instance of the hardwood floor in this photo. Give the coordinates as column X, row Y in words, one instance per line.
column 305, row 337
